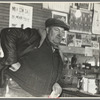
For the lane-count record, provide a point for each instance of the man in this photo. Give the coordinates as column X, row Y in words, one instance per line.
column 34, row 60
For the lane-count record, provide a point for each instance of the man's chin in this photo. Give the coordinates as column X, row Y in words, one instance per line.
column 57, row 43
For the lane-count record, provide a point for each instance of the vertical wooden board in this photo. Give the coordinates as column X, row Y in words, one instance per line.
column 4, row 15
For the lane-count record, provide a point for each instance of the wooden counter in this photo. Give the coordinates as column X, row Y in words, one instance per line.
column 74, row 92
column 70, row 86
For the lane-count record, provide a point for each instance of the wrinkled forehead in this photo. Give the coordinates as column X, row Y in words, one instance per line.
column 56, row 28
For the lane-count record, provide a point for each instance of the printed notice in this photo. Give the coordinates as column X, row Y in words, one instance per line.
column 20, row 16
column 88, row 51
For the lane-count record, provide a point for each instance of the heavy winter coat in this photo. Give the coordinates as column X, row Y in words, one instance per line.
column 40, row 67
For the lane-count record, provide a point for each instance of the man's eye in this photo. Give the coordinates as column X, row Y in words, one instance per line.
column 63, row 31
column 56, row 29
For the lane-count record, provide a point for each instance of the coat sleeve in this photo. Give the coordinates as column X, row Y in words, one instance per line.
column 8, row 44
column 11, row 38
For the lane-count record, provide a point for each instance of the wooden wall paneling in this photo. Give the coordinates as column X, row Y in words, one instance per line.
column 39, row 14
column 4, row 15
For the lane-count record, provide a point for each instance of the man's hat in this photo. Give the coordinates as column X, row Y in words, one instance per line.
column 56, row 22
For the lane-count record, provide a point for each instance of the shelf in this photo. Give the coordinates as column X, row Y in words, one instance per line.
column 76, row 50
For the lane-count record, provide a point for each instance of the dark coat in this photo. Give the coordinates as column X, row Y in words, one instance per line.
column 16, row 42
column 40, row 67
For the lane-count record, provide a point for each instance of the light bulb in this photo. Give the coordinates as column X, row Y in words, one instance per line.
column 78, row 13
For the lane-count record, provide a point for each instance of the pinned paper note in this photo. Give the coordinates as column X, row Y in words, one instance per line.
column 95, row 45
column 88, row 51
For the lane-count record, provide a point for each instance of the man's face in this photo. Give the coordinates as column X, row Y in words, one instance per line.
column 55, row 34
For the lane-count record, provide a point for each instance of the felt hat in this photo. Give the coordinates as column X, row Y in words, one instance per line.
column 56, row 22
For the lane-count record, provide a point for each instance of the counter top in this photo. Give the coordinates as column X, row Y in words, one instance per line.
column 78, row 93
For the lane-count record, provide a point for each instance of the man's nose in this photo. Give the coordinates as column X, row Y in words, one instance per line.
column 62, row 34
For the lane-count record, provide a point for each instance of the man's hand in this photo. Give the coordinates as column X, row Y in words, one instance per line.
column 15, row 67
column 57, row 88
column 56, row 91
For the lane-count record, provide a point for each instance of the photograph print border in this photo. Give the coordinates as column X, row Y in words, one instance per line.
column 71, row 98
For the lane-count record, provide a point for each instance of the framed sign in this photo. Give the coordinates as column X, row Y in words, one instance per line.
column 95, row 45
column 61, row 16
column 86, row 40
column 20, row 16
column 82, row 24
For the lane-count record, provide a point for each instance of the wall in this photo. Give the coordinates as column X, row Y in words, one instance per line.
column 4, row 15
column 39, row 14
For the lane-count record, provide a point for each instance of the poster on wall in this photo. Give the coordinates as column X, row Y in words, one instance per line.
column 86, row 40
column 82, row 24
column 95, row 45
column 20, row 16
column 88, row 51
column 96, row 19
column 78, row 40
column 93, row 38
column 71, row 39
